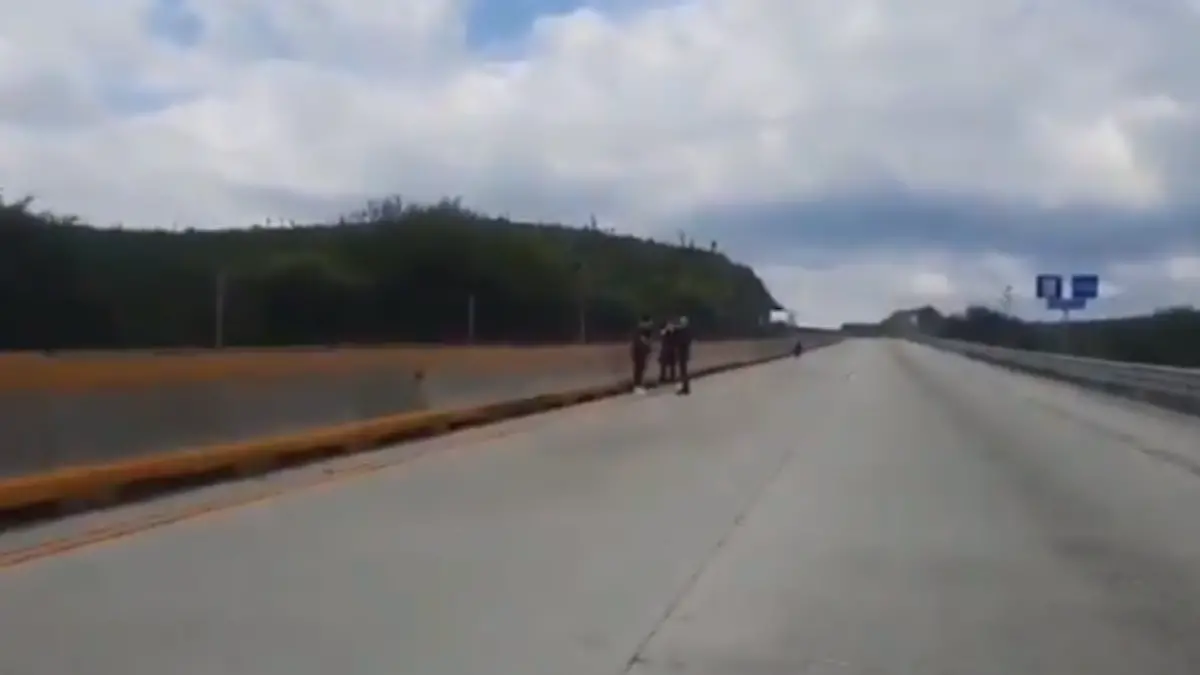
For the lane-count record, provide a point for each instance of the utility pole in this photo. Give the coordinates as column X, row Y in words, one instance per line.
column 581, row 299
column 471, row 319
column 219, row 310
column 1006, row 301
column 582, row 314
column 582, row 322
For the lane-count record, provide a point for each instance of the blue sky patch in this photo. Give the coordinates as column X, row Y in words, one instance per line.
column 175, row 22
column 499, row 22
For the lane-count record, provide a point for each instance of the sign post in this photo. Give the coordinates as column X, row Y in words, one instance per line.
column 1084, row 288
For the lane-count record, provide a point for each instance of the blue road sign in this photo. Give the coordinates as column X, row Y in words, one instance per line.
column 1086, row 286
column 1066, row 304
column 1049, row 286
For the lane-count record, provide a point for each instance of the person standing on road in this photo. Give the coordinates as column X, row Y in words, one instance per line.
column 666, row 353
column 643, row 337
column 683, row 354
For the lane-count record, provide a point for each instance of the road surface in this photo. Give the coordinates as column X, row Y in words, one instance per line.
column 876, row 507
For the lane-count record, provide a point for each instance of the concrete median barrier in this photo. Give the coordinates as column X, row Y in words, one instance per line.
column 46, row 428
column 83, row 428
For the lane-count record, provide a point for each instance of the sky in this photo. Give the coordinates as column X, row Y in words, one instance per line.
column 862, row 155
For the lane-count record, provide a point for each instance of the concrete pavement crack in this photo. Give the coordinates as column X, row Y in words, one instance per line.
column 638, row 655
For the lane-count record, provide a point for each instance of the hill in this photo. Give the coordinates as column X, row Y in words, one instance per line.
column 1166, row 337
column 392, row 272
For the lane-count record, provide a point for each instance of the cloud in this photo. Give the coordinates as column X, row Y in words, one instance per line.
column 876, row 149
column 1062, row 237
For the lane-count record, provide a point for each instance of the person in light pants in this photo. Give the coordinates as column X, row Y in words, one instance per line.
column 666, row 353
column 640, row 349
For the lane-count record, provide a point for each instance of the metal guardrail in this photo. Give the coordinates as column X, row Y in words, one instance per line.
column 1174, row 388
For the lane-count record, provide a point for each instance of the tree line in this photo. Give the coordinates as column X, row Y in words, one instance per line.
column 390, row 272
column 1169, row 336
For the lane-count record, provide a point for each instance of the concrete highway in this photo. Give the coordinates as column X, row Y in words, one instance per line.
column 874, row 508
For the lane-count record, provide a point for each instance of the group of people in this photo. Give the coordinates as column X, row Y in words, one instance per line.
column 674, row 340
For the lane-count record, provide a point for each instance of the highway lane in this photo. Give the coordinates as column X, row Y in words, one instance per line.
column 876, row 507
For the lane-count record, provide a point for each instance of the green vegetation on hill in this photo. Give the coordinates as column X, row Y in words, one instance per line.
column 1167, row 337
column 392, row 272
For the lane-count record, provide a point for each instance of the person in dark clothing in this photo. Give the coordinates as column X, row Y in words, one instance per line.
column 666, row 353
column 643, row 337
column 683, row 354
column 798, row 349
